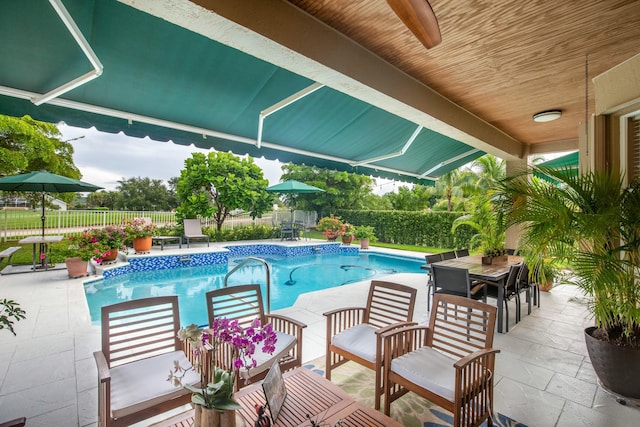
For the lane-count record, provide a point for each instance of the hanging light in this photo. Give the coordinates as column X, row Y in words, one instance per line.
column 547, row 116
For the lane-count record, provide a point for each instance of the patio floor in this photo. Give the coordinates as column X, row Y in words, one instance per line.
column 544, row 378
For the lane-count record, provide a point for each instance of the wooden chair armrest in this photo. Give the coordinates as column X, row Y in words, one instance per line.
column 393, row 326
column 467, row 360
column 18, row 422
column 104, row 375
column 341, row 310
column 403, row 340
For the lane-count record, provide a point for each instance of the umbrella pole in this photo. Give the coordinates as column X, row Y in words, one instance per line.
column 42, row 217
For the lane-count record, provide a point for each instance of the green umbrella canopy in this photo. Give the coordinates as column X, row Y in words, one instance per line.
column 293, row 186
column 45, row 182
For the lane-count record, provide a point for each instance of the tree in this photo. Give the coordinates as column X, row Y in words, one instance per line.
column 103, row 199
column 416, row 199
column 28, row 145
column 144, row 194
column 218, row 183
column 343, row 190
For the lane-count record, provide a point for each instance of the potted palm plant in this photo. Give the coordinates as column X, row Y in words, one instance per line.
column 592, row 223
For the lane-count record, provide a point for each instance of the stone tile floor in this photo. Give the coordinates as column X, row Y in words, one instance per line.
column 543, row 377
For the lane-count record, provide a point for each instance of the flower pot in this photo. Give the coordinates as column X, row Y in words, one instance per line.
column 346, row 240
column 364, row 243
column 205, row 417
column 617, row 368
column 142, row 245
column 76, row 267
column 111, row 256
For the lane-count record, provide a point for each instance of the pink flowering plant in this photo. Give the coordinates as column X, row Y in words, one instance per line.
column 218, row 394
column 138, row 227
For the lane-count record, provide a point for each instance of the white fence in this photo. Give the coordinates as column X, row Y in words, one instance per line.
column 17, row 224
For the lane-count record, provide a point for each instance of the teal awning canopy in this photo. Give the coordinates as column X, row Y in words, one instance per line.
column 566, row 164
column 165, row 82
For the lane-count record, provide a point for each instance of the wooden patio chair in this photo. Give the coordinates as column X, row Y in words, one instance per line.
column 450, row 362
column 139, row 347
column 244, row 303
column 354, row 333
column 193, row 231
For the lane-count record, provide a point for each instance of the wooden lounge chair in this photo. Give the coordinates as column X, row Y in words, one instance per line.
column 450, row 362
column 139, row 346
column 193, row 230
column 244, row 303
column 354, row 333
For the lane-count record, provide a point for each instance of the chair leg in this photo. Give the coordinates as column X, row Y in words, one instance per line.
column 506, row 317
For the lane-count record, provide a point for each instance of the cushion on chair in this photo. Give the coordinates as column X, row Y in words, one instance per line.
column 429, row 369
column 143, row 383
column 359, row 340
column 284, row 344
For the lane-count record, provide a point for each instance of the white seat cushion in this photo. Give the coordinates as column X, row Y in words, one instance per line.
column 359, row 340
column 284, row 343
column 143, row 383
column 429, row 369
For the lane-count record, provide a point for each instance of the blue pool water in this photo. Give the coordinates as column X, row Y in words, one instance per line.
column 290, row 277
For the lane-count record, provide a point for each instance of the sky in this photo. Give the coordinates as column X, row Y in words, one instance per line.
column 104, row 159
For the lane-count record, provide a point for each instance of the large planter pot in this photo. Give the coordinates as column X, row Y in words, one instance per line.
column 142, row 245
column 204, row 417
column 76, row 267
column 346, row 240
column 617, row 368
column 364, row 243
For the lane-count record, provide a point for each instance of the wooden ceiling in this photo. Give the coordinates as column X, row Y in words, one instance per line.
column 502, row 60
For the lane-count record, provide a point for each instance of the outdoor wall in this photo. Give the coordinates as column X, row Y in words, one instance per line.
column 618, row 87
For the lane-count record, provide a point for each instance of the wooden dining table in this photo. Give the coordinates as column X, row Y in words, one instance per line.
column 495, row 274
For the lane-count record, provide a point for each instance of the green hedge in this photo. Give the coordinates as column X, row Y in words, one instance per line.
column 412, row 228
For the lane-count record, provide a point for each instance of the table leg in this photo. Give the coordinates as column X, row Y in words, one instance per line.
column 34, row 257
column 500, row 305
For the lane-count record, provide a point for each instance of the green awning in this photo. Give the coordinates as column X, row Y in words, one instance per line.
column 567, row 164
column 165, row 82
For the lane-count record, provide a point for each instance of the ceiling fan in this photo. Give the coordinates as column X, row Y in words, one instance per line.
column 418, row 16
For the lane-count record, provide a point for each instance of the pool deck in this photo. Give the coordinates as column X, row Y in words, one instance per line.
column 47, row 372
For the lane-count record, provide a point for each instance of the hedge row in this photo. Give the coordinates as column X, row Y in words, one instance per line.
column 412, row 228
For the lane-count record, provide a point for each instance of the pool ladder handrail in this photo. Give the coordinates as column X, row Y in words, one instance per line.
column 266, row 265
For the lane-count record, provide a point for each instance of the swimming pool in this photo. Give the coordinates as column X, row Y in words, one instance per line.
column 290, row 277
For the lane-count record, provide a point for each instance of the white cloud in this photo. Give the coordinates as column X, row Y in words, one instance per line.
column 104, row 158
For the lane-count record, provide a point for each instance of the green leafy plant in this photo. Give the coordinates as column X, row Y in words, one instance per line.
column 592, row 223
column 348, row 230
column 365, row 232
column 219, row 393
column 10, row 312
column 489, row 225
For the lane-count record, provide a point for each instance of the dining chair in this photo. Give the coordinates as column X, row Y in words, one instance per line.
column 511, row 291
column 139, row 347
column 456, row 281
column 450, row 362
column 354, row 333
column 531, row 289
column 448, row 255
column 430, row 260
column 462, row 252
column 244, row 303
column 287, row 229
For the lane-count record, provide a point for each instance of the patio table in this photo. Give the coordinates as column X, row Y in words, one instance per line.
column 491, row 273
column 43, row 242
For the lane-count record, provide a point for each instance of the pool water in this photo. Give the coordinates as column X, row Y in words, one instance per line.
column 290, row 277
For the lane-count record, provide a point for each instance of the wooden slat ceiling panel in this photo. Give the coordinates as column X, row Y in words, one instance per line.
column 503, row 60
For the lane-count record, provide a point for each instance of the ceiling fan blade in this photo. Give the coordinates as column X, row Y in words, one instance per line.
column 418, row 16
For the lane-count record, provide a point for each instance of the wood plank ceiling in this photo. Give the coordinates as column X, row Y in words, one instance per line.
column 502, row 60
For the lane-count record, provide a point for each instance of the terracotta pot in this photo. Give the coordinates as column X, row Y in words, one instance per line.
column 113, row 254
column 142, row 244
column 205, row 417
column 364, row 243
column 76, row 267
column 346, row 240
column 617, row 368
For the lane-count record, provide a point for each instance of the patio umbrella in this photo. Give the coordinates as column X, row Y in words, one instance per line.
column 292, row 186
column 45, row 182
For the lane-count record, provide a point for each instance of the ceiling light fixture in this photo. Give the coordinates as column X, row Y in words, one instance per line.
column 547, row 116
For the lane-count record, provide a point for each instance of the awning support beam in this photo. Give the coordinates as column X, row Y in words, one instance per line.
column 446, row 162
column 68, row 21
column 396, row 154
column 280, row 105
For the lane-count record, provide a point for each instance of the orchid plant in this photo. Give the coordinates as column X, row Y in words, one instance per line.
column 218, row 394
